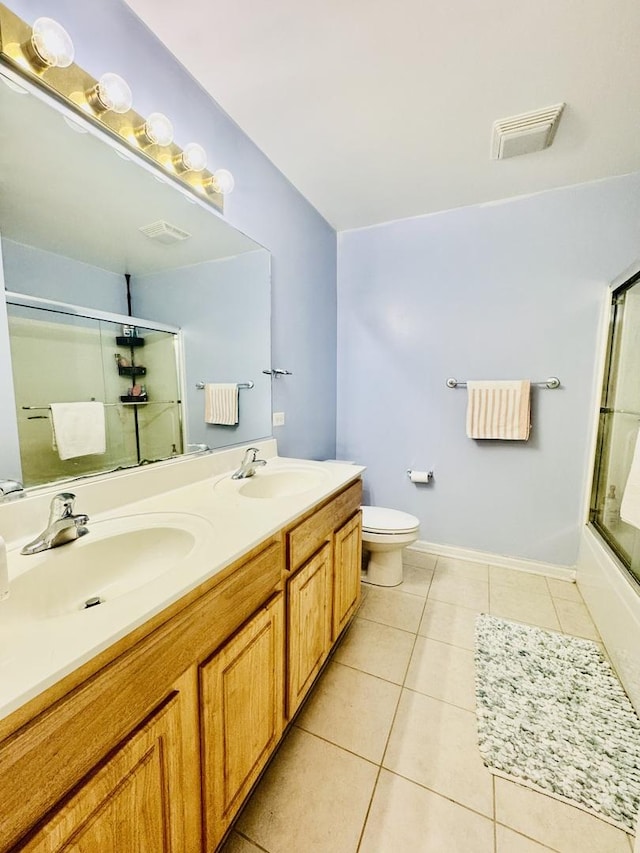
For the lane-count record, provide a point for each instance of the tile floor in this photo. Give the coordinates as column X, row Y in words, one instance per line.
column 384, row 758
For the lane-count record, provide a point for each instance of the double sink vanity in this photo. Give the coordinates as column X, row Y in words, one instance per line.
column 143, row 720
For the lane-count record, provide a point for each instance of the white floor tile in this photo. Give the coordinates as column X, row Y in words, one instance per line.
column 436, row 745
column 466, row 568
column 413, row 557
column 416, row 580
column 313, row 798
column 377, row 649
column 564, row 589
column 575, row 619
column 351, row 709
column 444, row 672
column 237, row 844
column 517, row 579
column 556, row 824
column 460, row 589
column 508, row 841
column 531, row 607
column 396, row 609
column 406, row 818
column 449, row 623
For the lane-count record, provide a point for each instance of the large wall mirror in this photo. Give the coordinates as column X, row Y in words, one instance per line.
column 95, row 229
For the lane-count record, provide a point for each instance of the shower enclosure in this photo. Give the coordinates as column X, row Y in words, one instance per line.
column 619, row 426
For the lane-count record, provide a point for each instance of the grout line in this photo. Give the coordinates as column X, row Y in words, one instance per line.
column 386, row 624
column 528, row 837
column 439, row 794
column 438, row 699
column 299, row 726
column 393, row 721
column 247, row 838
column 495, row 822
column 362, row 672
column 372, row 674
column 368, row 812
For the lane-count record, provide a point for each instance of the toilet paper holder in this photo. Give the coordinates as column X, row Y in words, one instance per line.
column 419, row 476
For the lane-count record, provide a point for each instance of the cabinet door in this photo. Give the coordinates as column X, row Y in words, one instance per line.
column 346, row 573
column 242, row 715
column 309, row 625
column 137, row 800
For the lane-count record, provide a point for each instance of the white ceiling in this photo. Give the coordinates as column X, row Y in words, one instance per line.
column 379, row 110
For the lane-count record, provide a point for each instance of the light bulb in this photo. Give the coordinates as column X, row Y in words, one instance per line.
column 50, row 45
column 158, row 129
column 111, row 93
column 225, row 181
column 13, row 86
column 194, row 157
column 77, row 128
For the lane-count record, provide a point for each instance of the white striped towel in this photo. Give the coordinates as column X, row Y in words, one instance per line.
column 221, row 403
column 630, row 506
column 499, row 409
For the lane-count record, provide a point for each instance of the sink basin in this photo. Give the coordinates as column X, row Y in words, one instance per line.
column 278, row 482
column 117, row 557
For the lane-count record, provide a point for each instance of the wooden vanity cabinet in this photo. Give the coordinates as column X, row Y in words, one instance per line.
column 347, row 573
column 324, row 553
column 241, row 715
column 309, row 624
column 139, row 797
column 155, row 744
column 115, row 758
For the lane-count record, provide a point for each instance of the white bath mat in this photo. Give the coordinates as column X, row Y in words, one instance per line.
column 552, row 715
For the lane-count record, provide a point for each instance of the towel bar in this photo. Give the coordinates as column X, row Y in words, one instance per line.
column 142, row 403
column 551, row 383
column 249, row 384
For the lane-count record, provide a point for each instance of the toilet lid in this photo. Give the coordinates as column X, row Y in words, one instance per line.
column 378, row 519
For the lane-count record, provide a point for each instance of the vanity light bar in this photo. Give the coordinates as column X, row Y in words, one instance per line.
column 43, row 54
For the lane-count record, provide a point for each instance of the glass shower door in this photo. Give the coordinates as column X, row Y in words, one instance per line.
column 619, row 427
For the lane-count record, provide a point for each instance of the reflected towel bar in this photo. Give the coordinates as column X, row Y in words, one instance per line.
column 551, row 383
column 249, row 384
column 141, row 403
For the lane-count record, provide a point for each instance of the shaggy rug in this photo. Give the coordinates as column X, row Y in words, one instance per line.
column 552, row 715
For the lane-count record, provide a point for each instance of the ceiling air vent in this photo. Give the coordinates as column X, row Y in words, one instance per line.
column 164, row 232
column 525, row 133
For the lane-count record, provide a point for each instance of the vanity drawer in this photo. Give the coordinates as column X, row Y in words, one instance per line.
column 44, row 759
column 307, row 536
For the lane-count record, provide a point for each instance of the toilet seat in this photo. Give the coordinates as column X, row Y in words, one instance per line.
column 380, row 520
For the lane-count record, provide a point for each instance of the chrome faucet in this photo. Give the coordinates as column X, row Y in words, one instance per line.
column 249, row 464
column 10, row 490
column 63, row 525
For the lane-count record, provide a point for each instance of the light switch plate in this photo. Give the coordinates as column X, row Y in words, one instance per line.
column 278, row 419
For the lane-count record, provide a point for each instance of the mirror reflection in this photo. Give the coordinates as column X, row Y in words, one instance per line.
column 82, row 225
column 105, row 364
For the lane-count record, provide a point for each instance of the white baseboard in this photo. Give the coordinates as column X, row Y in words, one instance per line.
column 563, row 573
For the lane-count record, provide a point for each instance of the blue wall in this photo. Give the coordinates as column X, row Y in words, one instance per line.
column 109, row 37
column 223, row 310
column 512, row 290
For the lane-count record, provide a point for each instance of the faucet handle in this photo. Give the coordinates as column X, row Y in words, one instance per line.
column 61, row 506
column 10, row 489
column 254, row 454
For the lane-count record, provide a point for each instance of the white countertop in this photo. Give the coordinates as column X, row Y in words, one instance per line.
column 41, row 643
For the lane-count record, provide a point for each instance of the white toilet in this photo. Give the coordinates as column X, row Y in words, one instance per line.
column 385, row 532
